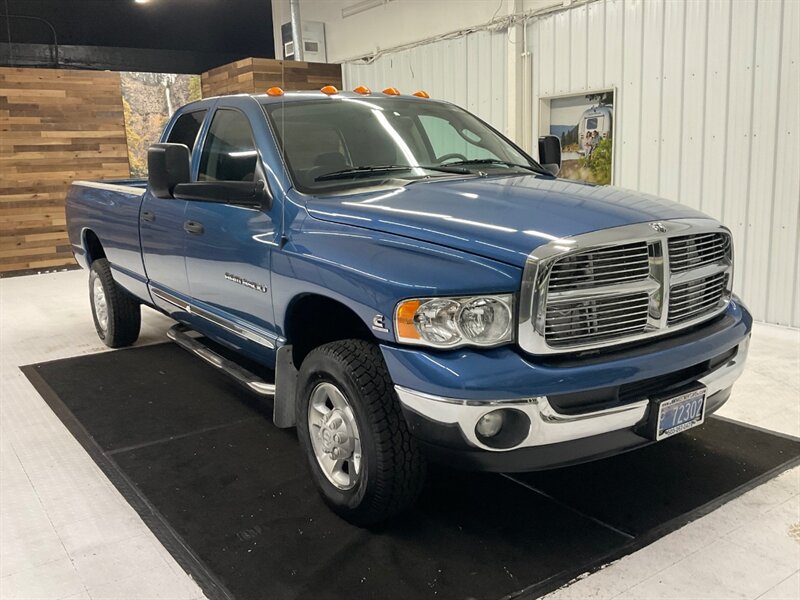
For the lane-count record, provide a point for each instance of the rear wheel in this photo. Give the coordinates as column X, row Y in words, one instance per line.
column 117, row 314
column 363, row 458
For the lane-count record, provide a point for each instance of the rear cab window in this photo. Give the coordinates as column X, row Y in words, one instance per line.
column 186, row 129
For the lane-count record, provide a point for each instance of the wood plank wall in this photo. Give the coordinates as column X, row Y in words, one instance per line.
column 56, row 125
column 256, row 75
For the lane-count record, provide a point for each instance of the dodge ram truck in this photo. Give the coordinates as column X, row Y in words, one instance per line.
column 406, row 284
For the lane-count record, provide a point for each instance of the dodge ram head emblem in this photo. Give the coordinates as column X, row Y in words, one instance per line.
column 659, row 227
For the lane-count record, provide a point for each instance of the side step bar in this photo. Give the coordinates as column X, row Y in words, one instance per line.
column 179, row 334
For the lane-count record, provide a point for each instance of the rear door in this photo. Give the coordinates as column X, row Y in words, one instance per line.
column 162, row 226
column 229, row 250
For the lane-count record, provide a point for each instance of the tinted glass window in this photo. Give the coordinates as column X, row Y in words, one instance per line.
column 591, row 123
column 449, row 142
column 229, row 153
column 186, row 128
column 322, row 138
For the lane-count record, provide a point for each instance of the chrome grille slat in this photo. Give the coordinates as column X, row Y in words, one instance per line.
column 712, row 293
column 604, row 335
column 608, row 314
column 692, row 251
column 606, row 280
column 690, row 288
column 674, row 318
column 637, row 321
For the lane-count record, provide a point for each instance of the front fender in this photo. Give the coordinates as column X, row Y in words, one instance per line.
column 370, row 271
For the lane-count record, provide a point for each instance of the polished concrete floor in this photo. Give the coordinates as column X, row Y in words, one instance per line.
column 65, row 531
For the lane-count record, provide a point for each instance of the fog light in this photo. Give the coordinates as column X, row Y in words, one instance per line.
column 490, row 424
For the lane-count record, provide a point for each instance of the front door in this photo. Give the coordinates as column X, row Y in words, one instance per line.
column 162, row 227
column 228, row 248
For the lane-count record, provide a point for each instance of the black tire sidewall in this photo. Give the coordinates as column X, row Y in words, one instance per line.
column 319, row 368
column 123, row 310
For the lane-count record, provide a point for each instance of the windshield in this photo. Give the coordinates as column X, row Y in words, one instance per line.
column 341, row 142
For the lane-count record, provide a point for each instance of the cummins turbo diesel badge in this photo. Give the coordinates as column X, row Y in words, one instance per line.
column 246, row 282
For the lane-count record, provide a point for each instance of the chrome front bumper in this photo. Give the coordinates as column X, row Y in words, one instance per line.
column 548, row 426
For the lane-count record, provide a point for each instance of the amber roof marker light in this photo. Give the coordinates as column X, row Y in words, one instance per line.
column 363, row 90
column 421, row 94
column 329, row 90
column 391, row 91
column 275, row 91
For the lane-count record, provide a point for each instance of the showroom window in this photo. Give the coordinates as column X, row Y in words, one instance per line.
column 229, row 153
column 186, row 129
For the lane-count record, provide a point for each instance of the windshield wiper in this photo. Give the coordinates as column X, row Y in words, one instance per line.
column 496, row 161
column 366, row 171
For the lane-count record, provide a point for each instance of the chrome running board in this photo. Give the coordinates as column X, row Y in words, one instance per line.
column 179, row 334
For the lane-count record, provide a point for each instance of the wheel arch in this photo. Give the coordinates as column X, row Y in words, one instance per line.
column 314, row 319
column 92, row 246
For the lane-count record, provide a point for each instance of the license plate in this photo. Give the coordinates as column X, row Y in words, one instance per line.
column 680, row 413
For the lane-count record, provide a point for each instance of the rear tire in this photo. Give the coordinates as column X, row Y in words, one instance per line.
column 345, row 390
column 117, row 315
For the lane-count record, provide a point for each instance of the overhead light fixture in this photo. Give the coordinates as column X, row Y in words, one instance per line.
column 359, row 7
column 141, row 1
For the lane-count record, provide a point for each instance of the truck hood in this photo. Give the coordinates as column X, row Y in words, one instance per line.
column 503, row 218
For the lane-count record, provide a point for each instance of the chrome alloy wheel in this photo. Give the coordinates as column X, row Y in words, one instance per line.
column 334, row 435
column 100, row 304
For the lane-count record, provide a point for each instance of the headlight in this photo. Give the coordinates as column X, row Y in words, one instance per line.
column 450, row 322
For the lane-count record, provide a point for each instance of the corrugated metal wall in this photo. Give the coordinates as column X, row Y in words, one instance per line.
column 707, row 115
column 707, row 110
column 470, row 71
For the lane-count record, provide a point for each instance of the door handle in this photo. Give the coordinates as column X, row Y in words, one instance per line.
column 148, row 216
column 193, row 227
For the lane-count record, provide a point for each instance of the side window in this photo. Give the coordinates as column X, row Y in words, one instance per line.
column 186, row 128
column 446, row 140
column 229, row 153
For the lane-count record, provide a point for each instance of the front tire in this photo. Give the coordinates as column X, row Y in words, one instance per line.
column 117, row 315
column 362, row 456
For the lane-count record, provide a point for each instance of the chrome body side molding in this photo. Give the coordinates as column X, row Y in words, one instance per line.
column 259, row 337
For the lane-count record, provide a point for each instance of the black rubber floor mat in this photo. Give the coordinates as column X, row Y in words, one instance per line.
column 229, row 495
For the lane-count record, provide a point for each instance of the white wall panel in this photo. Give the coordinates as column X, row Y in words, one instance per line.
column 706, row 114
column 469, row 71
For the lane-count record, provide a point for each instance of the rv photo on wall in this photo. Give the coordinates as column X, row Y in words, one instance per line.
column 584, row 124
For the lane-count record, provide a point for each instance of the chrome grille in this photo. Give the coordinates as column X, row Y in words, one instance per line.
column 689, row 300
column 693, row 251
column 624, row 284
column 582, row 321
column 604, row 266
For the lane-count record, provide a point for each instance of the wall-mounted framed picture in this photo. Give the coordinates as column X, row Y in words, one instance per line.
column 584, row 122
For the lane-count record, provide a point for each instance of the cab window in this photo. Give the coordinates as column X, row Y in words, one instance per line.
column 229, row 152
column 186, row 129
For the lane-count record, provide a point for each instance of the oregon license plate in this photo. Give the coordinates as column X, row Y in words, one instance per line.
column 680, row 413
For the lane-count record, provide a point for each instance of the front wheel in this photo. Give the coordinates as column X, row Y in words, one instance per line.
column 117, row 315
column 364, row 460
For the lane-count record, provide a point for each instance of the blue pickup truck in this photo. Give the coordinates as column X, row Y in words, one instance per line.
column 408, row 285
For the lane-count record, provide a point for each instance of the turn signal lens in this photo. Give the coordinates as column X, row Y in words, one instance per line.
column 330, row 90
column 274, row 91
column 363, row 90
column 391, row 91
column 421, row 94
column 405, row 320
